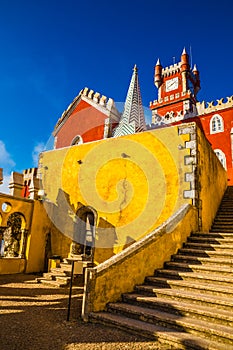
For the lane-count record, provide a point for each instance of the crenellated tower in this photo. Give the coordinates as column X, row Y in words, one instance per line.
column 178, row 86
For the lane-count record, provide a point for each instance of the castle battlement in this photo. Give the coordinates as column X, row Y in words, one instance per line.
column 173, row 69
column 172, row 97
column 96, row 97
column 208, row 107
column 97, row 100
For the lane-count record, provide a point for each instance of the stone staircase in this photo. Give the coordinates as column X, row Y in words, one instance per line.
column 57, row 276
column 189, row 303
column 60, row 276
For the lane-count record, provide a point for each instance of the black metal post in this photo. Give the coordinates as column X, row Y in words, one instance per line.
column 70, row 293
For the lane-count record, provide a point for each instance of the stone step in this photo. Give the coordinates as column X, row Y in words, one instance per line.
column 221, row 235
column 225, row 204
column 223, row 230
column 181, row 308
column 228, row 212
column 224, row 207
column 227, row 219
column 219, row 223
column 215, row 332
column 209, row 246
column 61, row 270
column 226, row 228
column 51, row 283
column 210, row 240
column 203, row 261
column 52, row 276
column 63, row 279
column 160, row 282
column 71, row 259
column 219, row 270
column 223, row 253
column 164, row 336
column 65, row 266
column 204, row 277
column 195, row 297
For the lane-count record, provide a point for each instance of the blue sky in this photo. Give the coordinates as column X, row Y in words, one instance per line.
column 51, row 49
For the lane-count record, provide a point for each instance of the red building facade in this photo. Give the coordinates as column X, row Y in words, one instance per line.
column 178, row 86
column 90, row 117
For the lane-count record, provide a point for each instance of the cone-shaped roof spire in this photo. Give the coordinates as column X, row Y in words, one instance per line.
column 195, row 68
column 132, row 119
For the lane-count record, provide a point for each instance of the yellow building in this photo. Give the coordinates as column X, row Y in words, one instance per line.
column 97, row 198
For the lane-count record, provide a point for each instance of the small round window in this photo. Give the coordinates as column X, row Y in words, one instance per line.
column 6, row 207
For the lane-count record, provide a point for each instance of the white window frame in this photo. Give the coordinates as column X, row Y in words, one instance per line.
column 221, row 156
column 77, row 140
column 216, row 124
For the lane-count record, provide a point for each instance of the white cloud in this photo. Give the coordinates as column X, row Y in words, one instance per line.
column 4, row 187
column 7, row 163
column 40, row 147
column 5, row 158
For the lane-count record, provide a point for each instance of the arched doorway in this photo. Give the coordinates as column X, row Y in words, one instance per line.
column 84, row 243
column 15, row 236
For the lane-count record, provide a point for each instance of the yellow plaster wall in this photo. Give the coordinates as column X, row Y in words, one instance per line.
column 134, row 183
column 108, row 280
column 12, row 266
column 24, row 207
column 38, row 224
column 212, row 182
column 41, row 226
column 19, row 205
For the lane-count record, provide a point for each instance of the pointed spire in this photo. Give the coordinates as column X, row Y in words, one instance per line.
column 184, row 51
column 197, row 80
column 132, row 119
column 158, row 74
column 184, row 61
column 195, row 68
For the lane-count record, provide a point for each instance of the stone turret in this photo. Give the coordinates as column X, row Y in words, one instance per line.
column 24, row 185
column 185, row 61
column 16, row 184
column 158, row 74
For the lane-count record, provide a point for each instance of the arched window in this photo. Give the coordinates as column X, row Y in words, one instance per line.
column 77, row 140
column 216, row 124
column 221, row 156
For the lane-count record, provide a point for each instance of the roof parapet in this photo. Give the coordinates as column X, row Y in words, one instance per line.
column 208, row 107
column 95, row 98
